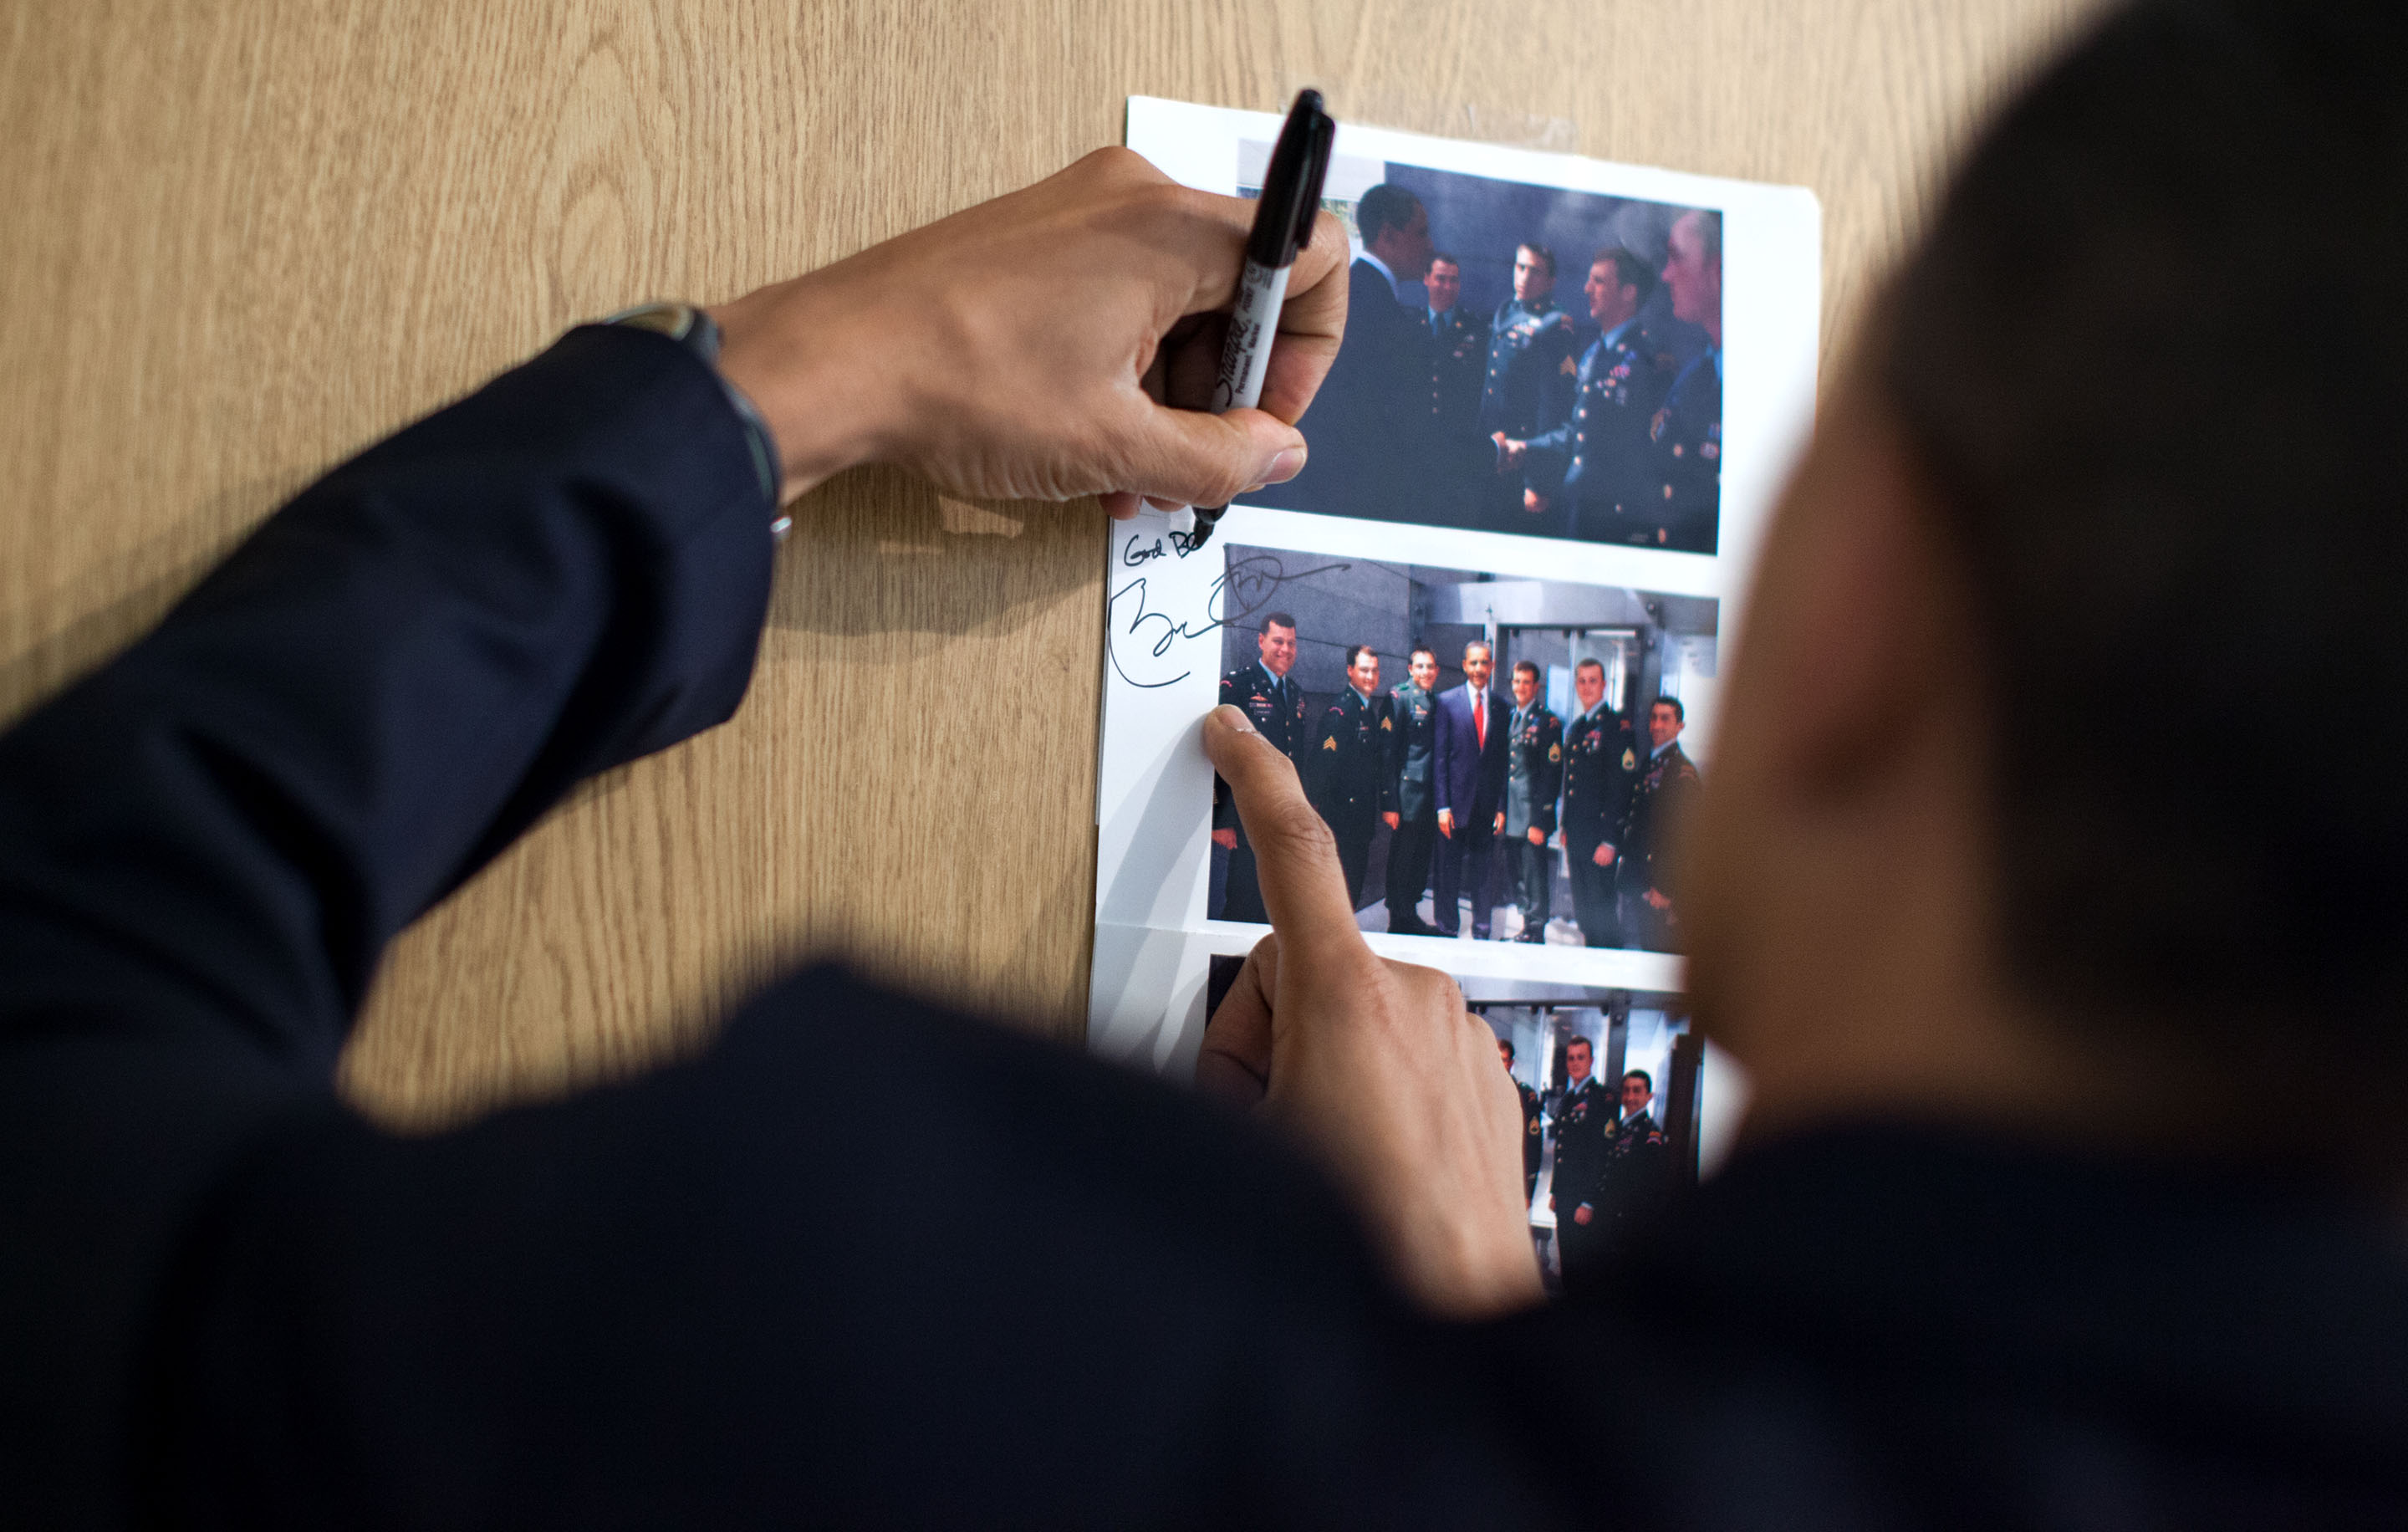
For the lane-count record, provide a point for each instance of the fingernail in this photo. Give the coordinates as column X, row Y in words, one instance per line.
column 1285, row 466
column 1236, row 718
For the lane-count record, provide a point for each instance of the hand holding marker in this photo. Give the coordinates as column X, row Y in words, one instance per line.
column 1283, row 221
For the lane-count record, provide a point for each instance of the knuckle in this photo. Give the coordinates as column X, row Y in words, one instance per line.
column 1117, row 160
column 1298, row 830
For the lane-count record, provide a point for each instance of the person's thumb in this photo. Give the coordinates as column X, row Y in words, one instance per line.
column 1187, row 457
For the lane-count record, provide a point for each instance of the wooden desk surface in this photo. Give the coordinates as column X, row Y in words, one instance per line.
column 245, row 238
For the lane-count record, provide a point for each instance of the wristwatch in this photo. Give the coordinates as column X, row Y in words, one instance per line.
column 697, row 332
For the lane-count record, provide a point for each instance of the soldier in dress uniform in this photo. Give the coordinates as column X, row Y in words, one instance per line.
column 1531, row 1141
column 1534, row 774
column 1601, row 769
column 1276, row 704
column 1637, row 1169
column 1597, row 462
column 1457, row 355
column 1413, row 814
column 1584, row 1115
column 1686, row 430
column 1346, row 770
column 1528, row 389
column 1665, row 784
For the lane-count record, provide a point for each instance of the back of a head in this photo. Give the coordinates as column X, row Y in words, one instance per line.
column 2155, row 350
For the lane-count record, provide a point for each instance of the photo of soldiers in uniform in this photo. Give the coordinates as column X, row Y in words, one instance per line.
column 1497, row 759
column 1521, row 358
column 1614, row 1105
column 1618, row 1106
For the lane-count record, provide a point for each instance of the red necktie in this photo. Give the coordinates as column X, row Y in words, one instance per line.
column 1480, row 718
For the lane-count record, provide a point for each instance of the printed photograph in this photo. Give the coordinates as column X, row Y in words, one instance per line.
column 1500, row 759
column 1619, row 1106
column 1519, row 358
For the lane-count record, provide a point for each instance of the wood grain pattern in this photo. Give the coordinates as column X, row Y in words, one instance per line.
column 245, row 238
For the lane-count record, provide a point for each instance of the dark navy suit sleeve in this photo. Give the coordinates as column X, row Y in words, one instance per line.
column 722, row 1294
column 1444, row 743
column 205, row 845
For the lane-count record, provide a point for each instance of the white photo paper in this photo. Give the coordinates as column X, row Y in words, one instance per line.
column 1539, row 472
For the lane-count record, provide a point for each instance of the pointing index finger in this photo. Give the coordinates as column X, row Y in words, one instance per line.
column 1296, row 857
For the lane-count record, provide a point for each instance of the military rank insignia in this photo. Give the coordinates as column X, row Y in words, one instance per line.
column 1555, row 752
column 1330, row 743
column 1569, row 367
column 1629, row 760
column 1387, row 723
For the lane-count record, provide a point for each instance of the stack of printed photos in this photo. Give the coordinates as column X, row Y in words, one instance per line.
column 1488, row 619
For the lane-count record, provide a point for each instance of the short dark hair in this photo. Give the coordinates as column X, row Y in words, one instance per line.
column 1382, row 208
column 1418, row 650
column 1674, row 703
column 1470, row 644
column 1354, row 650
column 1438, row 256
column 1529, row 666
column 1507, row 1044
column 1279, row 620
column 1543, row 252
column 1583, row 1042
column 1592, row 662
column 1644, row 1078
column 2131, row 528
column 1628, row 270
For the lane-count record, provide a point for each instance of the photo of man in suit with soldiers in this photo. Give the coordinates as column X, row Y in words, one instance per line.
column 1468, row 395
column 1538, row 811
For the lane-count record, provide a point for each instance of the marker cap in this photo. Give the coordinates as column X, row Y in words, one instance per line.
column 1292, row 186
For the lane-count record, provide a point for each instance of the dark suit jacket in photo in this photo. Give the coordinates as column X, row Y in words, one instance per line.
column 1365, row 426
column 1468, row 776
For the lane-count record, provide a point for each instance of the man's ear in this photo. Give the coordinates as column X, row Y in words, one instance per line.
column 1847, row 614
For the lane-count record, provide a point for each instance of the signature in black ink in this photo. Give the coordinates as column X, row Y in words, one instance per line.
column 1158, row 626
column 1182, row 543
column 1246, row 587
column 1250, row 583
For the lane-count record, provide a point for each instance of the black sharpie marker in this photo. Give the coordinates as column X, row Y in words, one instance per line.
column 1283, row 221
